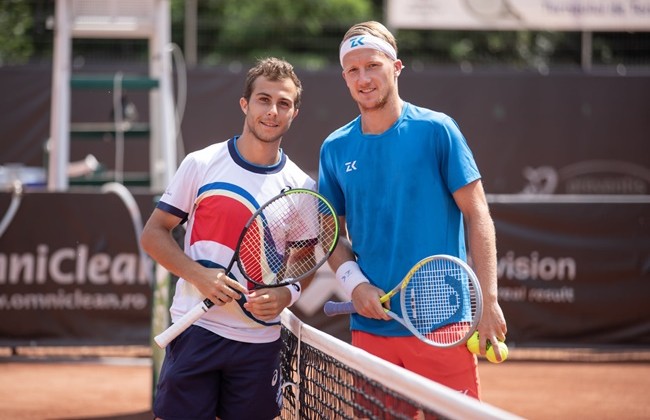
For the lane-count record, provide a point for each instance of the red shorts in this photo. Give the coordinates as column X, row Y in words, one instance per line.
column 453, row 367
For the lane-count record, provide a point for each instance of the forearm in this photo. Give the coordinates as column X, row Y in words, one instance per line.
column 341, row 254
column 160, row 245
column 482, row 248
column 343, row 251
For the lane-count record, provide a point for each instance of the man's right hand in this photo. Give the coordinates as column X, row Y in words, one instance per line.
column 365, row 298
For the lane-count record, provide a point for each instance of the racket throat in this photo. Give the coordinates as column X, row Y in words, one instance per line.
column 413, row 305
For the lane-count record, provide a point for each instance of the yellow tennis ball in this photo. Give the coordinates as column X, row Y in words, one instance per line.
column 491, row 356
column 473, row 344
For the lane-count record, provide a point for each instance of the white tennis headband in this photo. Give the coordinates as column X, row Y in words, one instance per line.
column 366, row 41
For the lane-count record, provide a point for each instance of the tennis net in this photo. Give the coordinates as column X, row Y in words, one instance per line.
column 326, row 378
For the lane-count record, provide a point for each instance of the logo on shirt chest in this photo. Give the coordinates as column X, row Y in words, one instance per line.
column 351, row 166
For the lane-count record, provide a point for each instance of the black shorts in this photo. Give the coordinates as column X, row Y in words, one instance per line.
column 204, row 376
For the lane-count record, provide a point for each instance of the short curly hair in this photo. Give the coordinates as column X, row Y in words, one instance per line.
column 274, row 69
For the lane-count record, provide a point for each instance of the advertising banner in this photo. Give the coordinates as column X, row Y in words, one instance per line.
column 71, row 272
column 554, row 15
column 574, row 272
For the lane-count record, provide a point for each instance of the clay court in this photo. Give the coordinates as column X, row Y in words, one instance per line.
column 120, row 388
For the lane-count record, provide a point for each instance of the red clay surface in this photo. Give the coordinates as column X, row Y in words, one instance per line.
column 534, row 390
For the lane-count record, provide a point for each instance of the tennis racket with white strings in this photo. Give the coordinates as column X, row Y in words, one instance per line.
column 440, row 299
column 286, row 240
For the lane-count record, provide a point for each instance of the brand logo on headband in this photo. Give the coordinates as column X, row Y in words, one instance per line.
column 356, row 42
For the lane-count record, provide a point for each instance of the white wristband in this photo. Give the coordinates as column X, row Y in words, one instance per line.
column 350, row 276
column 295, row 289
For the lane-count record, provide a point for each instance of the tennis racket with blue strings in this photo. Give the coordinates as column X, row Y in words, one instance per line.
column 440, row 300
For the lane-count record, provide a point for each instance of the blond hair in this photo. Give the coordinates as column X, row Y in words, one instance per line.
column 373, row 28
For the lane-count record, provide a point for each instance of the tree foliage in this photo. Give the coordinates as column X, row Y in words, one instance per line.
column 16, row 45
column 299, row 30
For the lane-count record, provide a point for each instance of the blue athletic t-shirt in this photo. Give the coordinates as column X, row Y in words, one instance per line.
column 395, row 191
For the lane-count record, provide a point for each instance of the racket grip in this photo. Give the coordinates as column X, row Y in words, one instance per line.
column 338, row 308
column 181, row 325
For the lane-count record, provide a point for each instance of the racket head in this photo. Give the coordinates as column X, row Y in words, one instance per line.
column 288, row 238
column 441, row 301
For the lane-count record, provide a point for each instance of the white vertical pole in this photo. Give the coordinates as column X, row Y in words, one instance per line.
column 59, row 143
column 163, row 119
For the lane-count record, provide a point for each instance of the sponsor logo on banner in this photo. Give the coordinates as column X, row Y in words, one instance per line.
column 566, row 15
column 527, row 271
column 588, row 177
column 51, row 279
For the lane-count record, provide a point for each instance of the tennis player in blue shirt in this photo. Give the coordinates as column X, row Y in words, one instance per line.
column 406, row 186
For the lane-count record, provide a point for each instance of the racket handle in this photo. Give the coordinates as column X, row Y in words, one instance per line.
column 181, row 325
column 332, row 308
